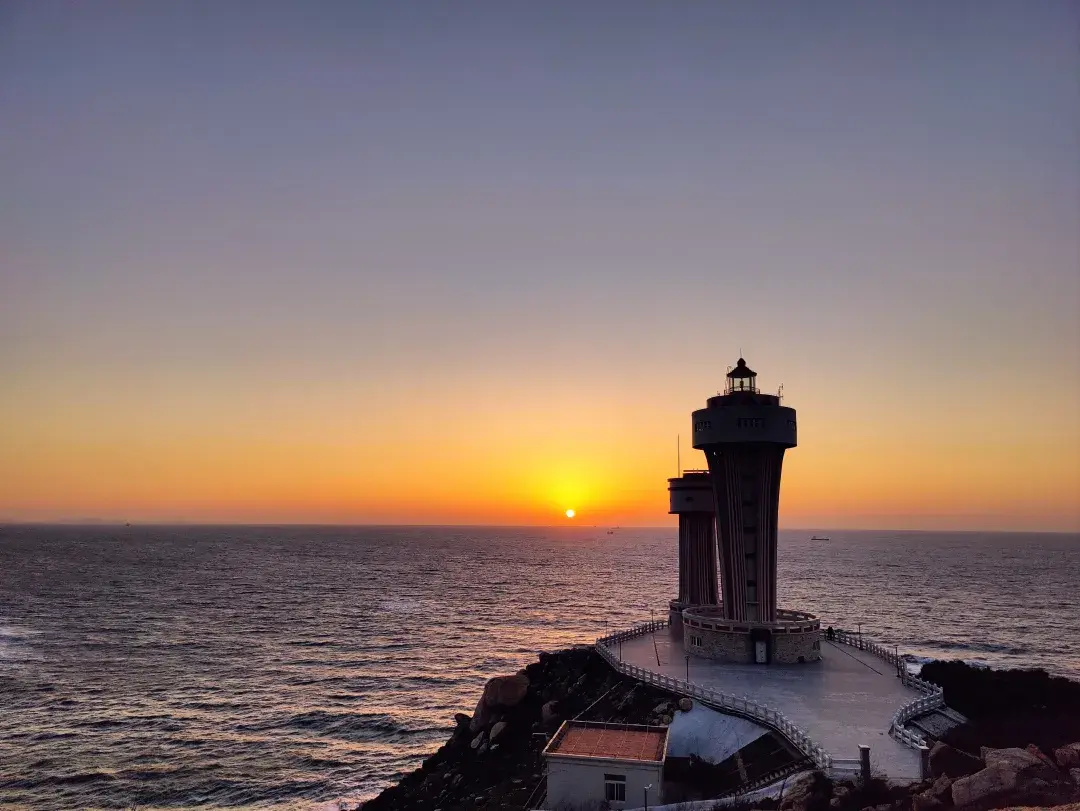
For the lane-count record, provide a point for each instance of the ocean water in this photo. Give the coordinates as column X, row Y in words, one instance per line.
column 292, row 667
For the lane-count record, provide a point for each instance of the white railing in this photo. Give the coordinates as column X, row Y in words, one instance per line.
column 842, row 766
column 934, row 696
column 723, row 701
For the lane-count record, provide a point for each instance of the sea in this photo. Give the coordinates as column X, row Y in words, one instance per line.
column 309, row 667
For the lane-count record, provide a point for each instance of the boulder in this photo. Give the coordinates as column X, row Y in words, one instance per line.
column 1075, row 775
column 991, row 783
column 497, row 730
column 499, row 692
column 926, row 802
column 548, row 713
column 481, row 716
column 506, row 691
column 947, row 760
column 796, row 795
column 461, row 719
column 1068, row 756
column 935, row 795
column 1041, row 755
column 479, row 739
column 685, row 704
column 1021, row 761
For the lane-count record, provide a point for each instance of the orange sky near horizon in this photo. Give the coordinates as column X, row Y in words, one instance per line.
column 503, row 452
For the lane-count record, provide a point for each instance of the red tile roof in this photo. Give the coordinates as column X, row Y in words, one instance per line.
column 617, row 741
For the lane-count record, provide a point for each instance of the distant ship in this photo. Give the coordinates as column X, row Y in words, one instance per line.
column 818, row 538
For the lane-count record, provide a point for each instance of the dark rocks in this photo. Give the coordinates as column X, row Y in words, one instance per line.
column 1041, row 755
column 497, row 730
column 926, row 802
column 499, row 759
column 500, row 692
column 797, row 793
column 938, row 795
column 548, row 713
column 1068, row 756
column 947, row 760
column 686, row 704
column 1007, row 707
column 1014, row 776
column 809, row 792
column 1020, row 761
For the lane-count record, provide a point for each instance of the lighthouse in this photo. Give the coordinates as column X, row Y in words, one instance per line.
column 744, row 434
column 692, row 500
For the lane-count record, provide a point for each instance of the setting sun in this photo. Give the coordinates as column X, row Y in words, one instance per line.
column 570, row 513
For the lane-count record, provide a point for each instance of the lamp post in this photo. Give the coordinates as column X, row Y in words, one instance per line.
column 860, row 636
column 688, row 668
column 647, row 796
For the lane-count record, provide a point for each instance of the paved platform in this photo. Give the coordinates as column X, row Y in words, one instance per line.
column 846, row 699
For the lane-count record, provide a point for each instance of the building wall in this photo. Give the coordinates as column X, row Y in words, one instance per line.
column 576, row 781
column 737, row 647
column 787, row 648
column 723, row 646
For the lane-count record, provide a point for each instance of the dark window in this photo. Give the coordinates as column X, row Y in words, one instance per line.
column 615, row 788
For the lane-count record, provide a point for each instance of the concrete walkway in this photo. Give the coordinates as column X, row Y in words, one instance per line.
column 846, row 699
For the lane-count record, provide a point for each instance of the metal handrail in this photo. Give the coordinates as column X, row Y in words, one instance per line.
column 740, row 705
column 933, row 699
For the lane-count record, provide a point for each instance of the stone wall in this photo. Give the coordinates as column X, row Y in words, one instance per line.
column 787, row 648
column 737, row 647
column 724, row 646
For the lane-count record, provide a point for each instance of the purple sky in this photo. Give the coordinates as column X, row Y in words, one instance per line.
column 587, row 199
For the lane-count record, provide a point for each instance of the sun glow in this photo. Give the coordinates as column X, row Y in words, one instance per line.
column 570, row 513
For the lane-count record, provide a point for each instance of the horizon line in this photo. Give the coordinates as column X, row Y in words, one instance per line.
column 112, row 523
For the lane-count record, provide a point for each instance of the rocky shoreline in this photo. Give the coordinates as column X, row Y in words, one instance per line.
column 1020, row 747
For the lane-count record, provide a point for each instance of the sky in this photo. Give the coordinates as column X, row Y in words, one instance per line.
column 478, row 262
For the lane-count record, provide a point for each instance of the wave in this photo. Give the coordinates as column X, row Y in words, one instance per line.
column 77, row 779
column 349, row 726
column 974, row 647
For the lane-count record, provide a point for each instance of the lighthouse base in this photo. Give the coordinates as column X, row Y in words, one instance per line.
column 795, row 638
column 675, row 609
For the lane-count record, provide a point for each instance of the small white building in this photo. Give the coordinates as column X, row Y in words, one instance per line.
column 589, row 763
